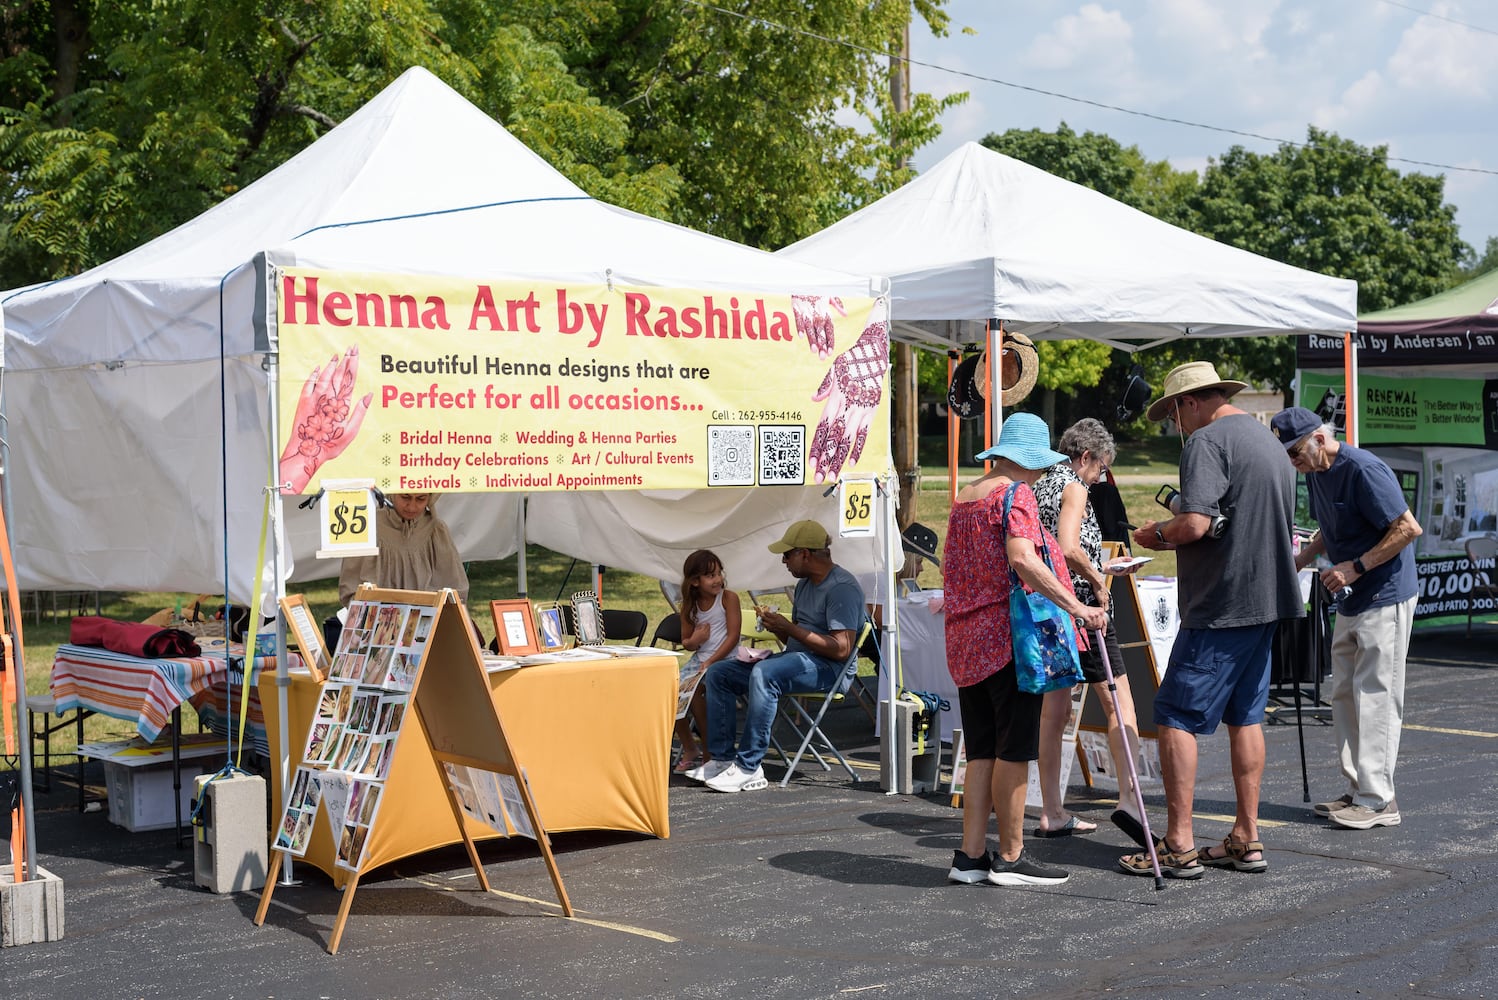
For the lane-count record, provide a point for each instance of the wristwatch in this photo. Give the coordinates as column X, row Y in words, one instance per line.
column 1357, row 564
column 1160, row 537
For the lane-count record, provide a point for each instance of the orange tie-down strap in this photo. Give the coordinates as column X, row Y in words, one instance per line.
column 7, row 703
column 8, row 695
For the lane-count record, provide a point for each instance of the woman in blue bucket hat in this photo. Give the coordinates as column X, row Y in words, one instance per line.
column 1000, row 723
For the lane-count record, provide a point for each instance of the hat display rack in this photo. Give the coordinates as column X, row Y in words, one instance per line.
column 969, row 377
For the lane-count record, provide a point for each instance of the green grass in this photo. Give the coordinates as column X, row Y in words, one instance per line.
column 549, row 578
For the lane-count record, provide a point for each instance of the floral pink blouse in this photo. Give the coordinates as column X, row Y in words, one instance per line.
column 975, row 578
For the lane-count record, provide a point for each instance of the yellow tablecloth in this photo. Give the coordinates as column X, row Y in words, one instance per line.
column 594, row 738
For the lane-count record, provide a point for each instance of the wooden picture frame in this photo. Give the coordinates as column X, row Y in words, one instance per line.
column 308, row 635
column 587, row 619
column 515, row 627
column 551, row 630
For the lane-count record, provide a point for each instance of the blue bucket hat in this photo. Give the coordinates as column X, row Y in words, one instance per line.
column 1024, row 440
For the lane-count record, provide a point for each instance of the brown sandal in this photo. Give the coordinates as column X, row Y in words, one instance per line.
column 1235, row 855
column 1173, row 864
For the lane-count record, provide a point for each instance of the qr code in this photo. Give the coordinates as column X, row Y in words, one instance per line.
column 782, row 455
column 730, row 455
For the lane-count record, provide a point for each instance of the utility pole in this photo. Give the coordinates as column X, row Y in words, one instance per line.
column 904, row 389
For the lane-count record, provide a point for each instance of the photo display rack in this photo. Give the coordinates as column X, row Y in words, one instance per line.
column 1143, row 674
column 401, row 651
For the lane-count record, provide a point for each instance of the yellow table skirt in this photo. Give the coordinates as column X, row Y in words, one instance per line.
column 594, row 738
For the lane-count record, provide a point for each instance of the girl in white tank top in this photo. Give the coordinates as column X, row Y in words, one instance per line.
column 710, row 627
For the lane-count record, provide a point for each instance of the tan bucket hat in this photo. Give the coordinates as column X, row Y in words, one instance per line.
column 1194, row 376
column 1021, row 368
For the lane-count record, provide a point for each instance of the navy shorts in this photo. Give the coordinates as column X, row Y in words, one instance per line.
column 1216, row 675
column 999, row 720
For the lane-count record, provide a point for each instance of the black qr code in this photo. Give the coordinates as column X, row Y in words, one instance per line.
column 782, row 455
column 730, row 455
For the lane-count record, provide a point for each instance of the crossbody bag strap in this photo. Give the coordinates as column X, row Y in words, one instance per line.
column 1045, row 548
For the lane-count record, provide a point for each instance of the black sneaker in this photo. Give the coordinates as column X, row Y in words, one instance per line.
column 969, row 871
column 1023, row 871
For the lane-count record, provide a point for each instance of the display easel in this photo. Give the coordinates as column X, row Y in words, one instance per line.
column 403, row 649
column 1144, row 680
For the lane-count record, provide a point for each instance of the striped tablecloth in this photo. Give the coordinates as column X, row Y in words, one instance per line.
column 146, row 691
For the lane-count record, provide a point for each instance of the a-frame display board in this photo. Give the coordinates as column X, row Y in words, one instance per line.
column 1144, row 680
column 402, row 649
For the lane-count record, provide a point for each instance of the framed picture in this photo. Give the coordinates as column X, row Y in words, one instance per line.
column 586, row 618
column 514, row 627
column 552, row 634
column 308, row 635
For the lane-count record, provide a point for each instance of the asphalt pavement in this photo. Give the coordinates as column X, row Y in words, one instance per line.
column 832, row 889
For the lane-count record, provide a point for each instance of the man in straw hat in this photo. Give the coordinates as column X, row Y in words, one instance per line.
column 1235, row 579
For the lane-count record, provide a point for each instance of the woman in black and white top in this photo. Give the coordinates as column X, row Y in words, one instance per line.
column 1066, row 510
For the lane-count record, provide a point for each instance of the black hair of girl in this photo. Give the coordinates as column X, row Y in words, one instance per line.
column 701, row 563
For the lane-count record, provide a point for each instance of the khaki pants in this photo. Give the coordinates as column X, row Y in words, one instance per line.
column 1368, row 655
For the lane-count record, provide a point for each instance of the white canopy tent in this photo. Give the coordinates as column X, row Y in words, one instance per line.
column 981, row 235
column 113, row 376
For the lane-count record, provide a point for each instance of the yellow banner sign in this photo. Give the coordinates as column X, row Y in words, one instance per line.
column 446, row 384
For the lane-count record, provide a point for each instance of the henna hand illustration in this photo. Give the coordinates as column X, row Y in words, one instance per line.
column 814, row 316
column 325, row 422
column 852, row 389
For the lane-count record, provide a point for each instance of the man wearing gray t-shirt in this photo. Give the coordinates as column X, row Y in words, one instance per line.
column 1236, row 579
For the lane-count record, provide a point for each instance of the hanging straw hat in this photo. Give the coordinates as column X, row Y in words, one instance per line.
column 1021, row 368
column 1194, row 376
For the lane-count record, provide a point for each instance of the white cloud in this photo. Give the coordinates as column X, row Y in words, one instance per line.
column 1438, row 59
column 1372, row 72
column 1214, row 25
column 1094, row 38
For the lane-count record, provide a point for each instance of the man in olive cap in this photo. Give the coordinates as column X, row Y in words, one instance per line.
column 1235, row 580
column 820, row 638
column 1365, row 527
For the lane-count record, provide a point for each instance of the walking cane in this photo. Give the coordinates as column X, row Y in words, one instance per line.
column 1123, row 732
column 1300, row 728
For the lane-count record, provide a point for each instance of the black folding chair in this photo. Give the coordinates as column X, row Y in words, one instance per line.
column 669, row 630
column 622, row 626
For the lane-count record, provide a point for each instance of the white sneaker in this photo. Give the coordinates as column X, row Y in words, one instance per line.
column 736, row 779
column 709, row 770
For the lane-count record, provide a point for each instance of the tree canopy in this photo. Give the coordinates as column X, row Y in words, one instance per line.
column 1328, row 205
column 120, row 121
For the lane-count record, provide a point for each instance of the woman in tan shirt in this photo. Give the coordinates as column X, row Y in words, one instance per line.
column 416, row 552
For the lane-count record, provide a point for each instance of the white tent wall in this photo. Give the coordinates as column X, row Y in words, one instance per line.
column 646, row 529
column 116, row 478
column 114, row 373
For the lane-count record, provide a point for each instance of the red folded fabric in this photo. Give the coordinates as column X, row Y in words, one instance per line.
column 132, row 638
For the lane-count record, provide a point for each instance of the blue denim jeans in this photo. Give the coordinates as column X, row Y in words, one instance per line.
column 761, row 684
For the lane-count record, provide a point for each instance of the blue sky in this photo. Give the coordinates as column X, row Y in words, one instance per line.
column 1377, row 72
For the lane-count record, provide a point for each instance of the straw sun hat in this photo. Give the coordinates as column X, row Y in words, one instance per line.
column 1021, row 366
column 1194, row 376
